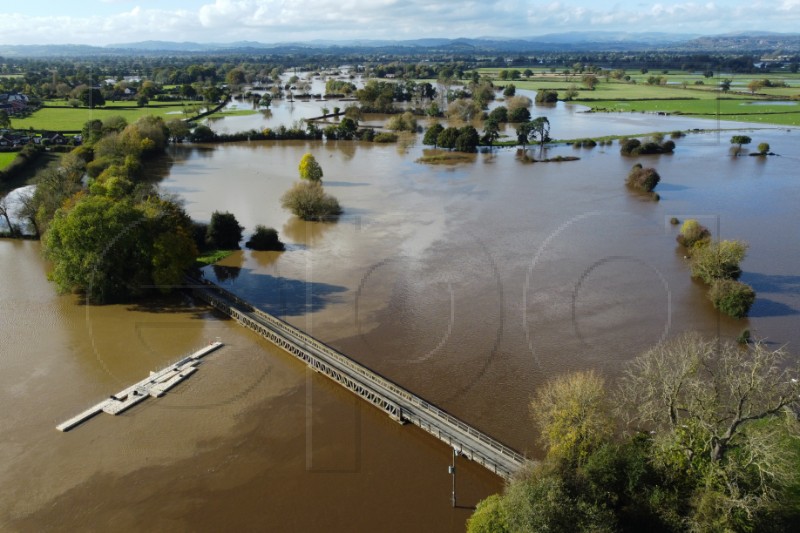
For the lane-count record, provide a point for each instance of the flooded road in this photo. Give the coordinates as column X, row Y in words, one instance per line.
column 470, row 285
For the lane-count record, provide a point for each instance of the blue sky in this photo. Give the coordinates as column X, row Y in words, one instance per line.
column 102, row 22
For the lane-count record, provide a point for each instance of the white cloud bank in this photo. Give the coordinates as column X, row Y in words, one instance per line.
column 280, row 20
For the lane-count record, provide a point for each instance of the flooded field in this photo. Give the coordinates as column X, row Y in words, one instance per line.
column 471, row 285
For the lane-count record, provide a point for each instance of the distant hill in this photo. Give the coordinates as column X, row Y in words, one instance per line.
column 589, row 41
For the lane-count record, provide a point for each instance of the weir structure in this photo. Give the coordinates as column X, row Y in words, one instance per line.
column 400, row 404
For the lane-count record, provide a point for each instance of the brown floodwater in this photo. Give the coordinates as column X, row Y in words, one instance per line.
column 471, row 285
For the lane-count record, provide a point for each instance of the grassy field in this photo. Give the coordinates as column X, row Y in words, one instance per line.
column 6, row 158
column 681, row 95
column 73, row 119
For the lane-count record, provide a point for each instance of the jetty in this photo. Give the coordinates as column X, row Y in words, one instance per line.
column 153, row 386
column 400, row 404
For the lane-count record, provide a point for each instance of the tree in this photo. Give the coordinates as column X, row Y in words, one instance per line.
column 510, row 90
column 763, row 148
column 491, row 131
column 309, row 168
column 112, row 249
column 202, row 134
column 447, row 138
column 91, row 97
column 309, row 201
column 740, row 140
column 570, row 413
column 589, row 81
column 644, row 179
column 755, row 85
column 489, row 517
column 546, row 96
column 500, row 114
column 5, row 120
column 224, row 231
column 5, row 212
column 725, row 85
column 265, row 239
column 431, row 137
column 692, row 232
column 571, row 92
column 719, row 415
column 467, row 140
column 733, row 298
column 178, row 129
column 718, row 260
column 540, row 130
column 519, row 114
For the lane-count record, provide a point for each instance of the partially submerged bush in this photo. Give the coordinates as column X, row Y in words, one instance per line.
column 309, row 201
column 265, row 239
column 636, row 147
column 718, row 260
column 385, row 137
column 643, row 179
column 692, row 232
column 733, row 298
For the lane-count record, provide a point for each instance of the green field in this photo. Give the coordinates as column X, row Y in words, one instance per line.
column 73, row 119
column 6, row 158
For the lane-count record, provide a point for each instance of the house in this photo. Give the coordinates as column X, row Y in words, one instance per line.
column 13, row 103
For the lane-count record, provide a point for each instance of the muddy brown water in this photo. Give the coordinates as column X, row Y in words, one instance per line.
column 470, row 285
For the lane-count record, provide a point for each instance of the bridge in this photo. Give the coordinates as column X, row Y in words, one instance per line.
column 400, row 404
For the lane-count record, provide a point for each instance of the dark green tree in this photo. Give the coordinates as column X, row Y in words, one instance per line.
column 224, row 231
column 265, row 239
column 431, row 137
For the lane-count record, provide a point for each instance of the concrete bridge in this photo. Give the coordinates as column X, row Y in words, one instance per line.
column 400, row 404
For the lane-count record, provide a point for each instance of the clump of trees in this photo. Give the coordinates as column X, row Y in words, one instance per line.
column 308, row 200
column 116, row 236
column 404, row 122
column 643, row 179
column 546, row 96
column 692, row 232
column 265, row 239
column 701, row 437
column 716, row 263
column 637, row 147
column 465, row 139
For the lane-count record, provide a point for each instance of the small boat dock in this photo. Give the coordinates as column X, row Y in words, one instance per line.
column 155, row 386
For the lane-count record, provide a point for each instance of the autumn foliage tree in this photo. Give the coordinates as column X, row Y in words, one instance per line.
column 309, row 168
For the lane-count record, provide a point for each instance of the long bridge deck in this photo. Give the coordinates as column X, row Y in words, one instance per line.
column 400, row 404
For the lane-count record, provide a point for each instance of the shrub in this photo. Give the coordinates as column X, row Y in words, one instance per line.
column 546, row 96
column 385, row 137
column 763, row 148
column 635, row 147
column 718, row 260
column 309, row 201
column 733, row 298
column 692, row 232
column 677, row 134
column 265, row 239
column 674, row 221
column 644, row 179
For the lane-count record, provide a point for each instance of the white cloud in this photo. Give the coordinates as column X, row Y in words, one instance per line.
column 281, row 20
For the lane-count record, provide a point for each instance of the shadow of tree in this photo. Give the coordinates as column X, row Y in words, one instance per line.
column 772, row 283
column 278, row 296
column 764, row 308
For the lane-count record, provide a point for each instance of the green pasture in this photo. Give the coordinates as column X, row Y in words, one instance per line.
column 6, row 158
column 72, row 119
column 759, row 111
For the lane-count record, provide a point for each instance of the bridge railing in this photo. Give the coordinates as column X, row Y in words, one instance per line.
column 310, row 342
